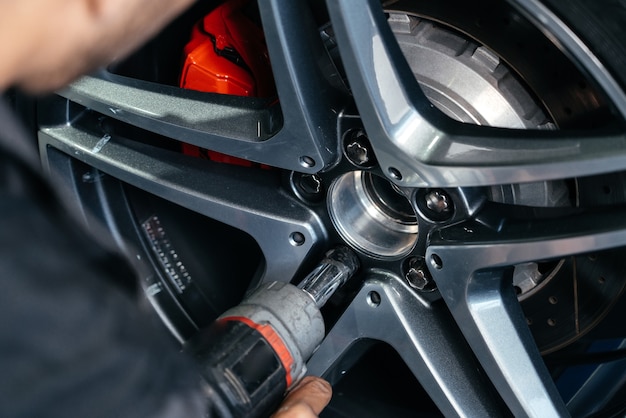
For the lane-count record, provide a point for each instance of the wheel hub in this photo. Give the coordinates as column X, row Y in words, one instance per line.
column 372, row 215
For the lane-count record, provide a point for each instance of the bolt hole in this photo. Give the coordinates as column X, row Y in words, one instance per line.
column 518, row 290
column 592, row 257
column 436, row 261
column 601, row 280
column 553, row 300
column 395, row 173
column 297, row 239
column 307, row 162
column 529, row 321
column 551, row 322
column 373, row 299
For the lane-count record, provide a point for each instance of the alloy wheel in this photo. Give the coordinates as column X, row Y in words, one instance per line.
column 472, row 154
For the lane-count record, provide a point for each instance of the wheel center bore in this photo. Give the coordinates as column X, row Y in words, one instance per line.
column 372, row 215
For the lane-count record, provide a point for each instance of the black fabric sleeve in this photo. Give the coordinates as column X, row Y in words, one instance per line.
column 72, row 344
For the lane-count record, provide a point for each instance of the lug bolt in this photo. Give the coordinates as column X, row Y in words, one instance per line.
column 359, row 150
column 438, row 202
column 311, row 184
column 417, row 276
column 308, row 187
column 357, row 153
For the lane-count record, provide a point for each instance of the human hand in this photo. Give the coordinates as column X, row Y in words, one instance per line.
column 69, row 38
column 306, row 400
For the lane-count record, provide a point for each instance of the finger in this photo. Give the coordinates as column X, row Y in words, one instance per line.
column 307, row 399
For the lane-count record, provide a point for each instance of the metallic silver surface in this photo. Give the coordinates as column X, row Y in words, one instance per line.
column 358, row 149
column 472, row 279
column 417, row 278
column 414, row 140
column 363, row 221
column 464, row 80
column 438, row 201
column 425, row 336
column 549, row 194
column 527, row 278
column 269, row 216
column 335, row 269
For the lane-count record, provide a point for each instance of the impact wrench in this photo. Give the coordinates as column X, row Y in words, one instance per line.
column 253, row 353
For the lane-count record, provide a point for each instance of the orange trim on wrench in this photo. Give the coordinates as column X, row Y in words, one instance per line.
column 274, row 340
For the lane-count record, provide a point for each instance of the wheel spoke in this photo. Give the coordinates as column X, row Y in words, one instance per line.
column 469, row 266
column 250, row 201
column 423, row 334
column 493, row 323
column 311, row 104
column 421, row 147
column 298, row 135
column 228, row 124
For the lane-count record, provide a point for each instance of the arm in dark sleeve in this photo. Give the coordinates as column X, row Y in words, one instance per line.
column 72, row 343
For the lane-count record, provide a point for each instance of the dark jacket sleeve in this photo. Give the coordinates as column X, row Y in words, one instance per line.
column 72, row 343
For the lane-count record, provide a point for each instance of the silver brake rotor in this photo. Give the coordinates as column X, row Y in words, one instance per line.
column 464, row 80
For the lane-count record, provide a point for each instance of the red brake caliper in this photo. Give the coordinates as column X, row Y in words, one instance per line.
column 227, row 54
